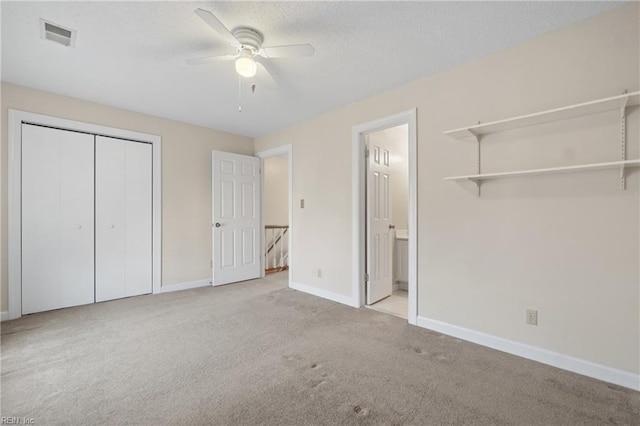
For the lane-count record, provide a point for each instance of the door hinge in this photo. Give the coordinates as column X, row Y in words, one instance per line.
column 366, row 277
column 366, row 153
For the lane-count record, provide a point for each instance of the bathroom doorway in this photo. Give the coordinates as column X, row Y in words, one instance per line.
column 387, row 204
column 359, row 180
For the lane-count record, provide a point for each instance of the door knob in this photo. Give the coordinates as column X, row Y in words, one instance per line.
column 78, row 226
column 392, row 227
column 217, row 224
column 111, row 226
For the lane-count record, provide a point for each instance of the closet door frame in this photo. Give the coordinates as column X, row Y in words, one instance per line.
column 16, row 119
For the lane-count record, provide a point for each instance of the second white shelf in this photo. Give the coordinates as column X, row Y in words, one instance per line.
column 553, row 170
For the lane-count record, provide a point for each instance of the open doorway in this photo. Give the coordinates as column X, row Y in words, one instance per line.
column 276, row 210
column 275, row 172
column 386, row 216
column 375, row 243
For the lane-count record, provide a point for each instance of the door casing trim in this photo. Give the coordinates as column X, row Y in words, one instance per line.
column 278, row 152
column 409, row 118
column 15, row 120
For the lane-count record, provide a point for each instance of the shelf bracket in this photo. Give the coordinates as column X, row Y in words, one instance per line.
column 623, row 140
column 478, row 169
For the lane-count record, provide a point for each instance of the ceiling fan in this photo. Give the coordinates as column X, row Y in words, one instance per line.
column 249, row 49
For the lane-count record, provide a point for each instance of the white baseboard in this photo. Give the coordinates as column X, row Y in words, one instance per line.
column 4, row 316
column 340, row 298
column 565, row 362
column 185, row 286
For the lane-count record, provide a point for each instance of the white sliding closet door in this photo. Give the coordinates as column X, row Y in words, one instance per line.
column 123, row 218
column 57, row 218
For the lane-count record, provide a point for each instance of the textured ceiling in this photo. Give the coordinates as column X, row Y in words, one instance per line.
column 132, row 54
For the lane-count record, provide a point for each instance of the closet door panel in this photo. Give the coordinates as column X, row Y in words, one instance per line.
column 138, row 218
column 57, row 219
column 110, row 219
column 77, row 201
column 123, row 218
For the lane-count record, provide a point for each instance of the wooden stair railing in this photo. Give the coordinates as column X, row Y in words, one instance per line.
column 277, row 250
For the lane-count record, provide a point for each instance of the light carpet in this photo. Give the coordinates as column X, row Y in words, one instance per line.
column 260, row 353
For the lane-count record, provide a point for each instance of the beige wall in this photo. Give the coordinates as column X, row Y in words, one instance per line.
column 566, row 245
column 276, row 191
column 186, row 175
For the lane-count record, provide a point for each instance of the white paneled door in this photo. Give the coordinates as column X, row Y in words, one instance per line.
column 236, row 217
column 379, row 225
column 57, row 218
column 123, row 218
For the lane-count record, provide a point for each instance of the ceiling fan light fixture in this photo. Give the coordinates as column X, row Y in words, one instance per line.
column 246, row 66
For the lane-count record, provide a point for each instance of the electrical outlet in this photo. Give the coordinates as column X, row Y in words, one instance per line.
column 532, row 317
column 302, row 203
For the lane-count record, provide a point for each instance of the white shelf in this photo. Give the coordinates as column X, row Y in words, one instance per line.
column 553, row 170
column 571, row 111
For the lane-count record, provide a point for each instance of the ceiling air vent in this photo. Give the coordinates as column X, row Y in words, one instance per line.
column 57, row 33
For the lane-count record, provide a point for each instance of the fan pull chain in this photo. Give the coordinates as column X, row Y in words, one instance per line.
column 239, row 94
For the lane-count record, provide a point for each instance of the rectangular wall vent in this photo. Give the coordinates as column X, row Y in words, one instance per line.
column 57, row 33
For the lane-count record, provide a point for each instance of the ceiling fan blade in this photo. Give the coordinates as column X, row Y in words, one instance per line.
column 217, row 26
column 210, row 59
column 292, row 51
column 264, row 74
